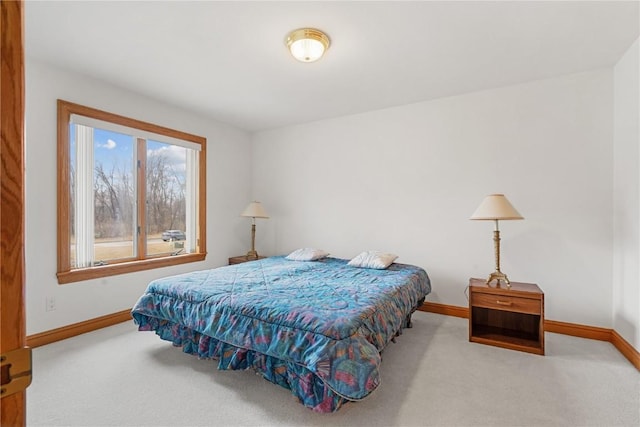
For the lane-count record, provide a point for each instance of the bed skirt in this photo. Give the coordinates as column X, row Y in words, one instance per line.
column 307, row 387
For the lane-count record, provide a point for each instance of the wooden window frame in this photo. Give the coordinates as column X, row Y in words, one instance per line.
column 65, row 273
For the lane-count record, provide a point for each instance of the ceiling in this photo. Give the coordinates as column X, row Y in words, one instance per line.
column 228, row 61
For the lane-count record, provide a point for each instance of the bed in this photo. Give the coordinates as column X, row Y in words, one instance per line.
column 316, row 328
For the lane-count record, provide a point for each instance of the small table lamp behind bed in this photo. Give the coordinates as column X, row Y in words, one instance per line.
column 254, row 210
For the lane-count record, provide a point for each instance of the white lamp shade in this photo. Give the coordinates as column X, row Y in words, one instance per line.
column 494, row 207
column 254, row 210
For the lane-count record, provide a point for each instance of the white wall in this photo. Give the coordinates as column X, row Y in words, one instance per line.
column 406, row 180
column 228, row 191
column 626, row 194
column 403, row 179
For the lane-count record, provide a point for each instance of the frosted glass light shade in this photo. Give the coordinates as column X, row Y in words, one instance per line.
column 254, row 210
column 307, row 44
column 496, row 206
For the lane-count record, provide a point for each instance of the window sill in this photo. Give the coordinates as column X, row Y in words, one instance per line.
column 125, row 267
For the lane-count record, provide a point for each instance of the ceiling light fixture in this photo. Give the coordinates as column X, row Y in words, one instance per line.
column 307, row 44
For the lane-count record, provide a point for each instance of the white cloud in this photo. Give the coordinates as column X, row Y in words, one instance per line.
column 109, row 145
column 175, row 155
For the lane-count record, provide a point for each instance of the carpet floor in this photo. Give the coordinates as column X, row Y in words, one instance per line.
column 432, row 376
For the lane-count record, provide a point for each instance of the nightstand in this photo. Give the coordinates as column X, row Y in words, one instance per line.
column 511, row 318
column 242, row 258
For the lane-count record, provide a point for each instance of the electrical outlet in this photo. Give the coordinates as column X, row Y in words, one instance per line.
column 50, row 304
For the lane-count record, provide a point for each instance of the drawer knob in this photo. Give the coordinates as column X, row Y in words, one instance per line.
column 507, row 303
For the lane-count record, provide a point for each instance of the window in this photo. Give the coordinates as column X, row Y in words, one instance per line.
column 131, row 195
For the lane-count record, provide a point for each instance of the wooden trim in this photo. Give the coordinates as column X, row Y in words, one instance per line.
column 626, row 349
column 141, row 214
column 447, row 310
column 576, row 330
column 63, row 189
column 554, row 326
column 82, row 110
column 573, row 329
column 12, row 270
column 126, row 267
column 75, row 329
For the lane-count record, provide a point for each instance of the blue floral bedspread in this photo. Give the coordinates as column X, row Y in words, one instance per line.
column 315, row 327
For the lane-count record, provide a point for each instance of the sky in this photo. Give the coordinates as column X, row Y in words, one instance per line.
column 115, row 150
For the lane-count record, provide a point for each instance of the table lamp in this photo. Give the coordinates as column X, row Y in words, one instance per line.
column 496, row 207
column 254, row 210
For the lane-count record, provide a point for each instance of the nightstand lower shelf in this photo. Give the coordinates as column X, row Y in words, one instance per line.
column 509, row 337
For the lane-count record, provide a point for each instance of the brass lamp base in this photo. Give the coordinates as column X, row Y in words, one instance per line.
column 252, row 255
column 497, row 276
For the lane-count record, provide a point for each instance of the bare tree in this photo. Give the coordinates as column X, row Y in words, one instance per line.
column 166, row 200
column 115, row 198
column 113, row 202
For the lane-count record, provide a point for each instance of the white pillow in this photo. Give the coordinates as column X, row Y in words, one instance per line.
column 373, row 259
column 307, row 254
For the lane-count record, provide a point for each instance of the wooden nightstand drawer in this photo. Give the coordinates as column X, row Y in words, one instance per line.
column 507, row 303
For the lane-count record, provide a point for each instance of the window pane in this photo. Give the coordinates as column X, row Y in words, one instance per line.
column 166, row 198
column 114, row 196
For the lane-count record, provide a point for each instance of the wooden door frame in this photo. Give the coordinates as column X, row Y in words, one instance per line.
column 12, row 270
